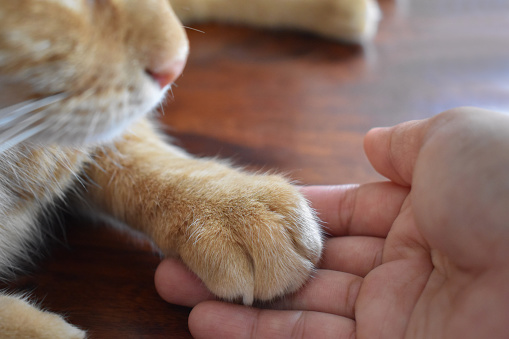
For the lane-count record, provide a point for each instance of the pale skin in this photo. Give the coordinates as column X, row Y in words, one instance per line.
column 423, row 255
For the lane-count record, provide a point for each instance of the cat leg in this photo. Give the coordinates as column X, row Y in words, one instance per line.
column 21, row 320
column 246, row 236
column 347, row 20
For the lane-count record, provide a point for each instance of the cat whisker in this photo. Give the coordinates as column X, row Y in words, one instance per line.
column 161, row 108
column 11, row 142
column 8, row 114
column 20, row 131
column 93, row 125
column 193, row 29
column 16, row 125
column 20, row 123
column 171, row 92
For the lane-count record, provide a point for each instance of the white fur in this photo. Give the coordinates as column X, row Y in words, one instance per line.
column 19, row 217
column 60, row 121
column 18, row 237
column 373, row 16
column 17, row 312
column 74, row 5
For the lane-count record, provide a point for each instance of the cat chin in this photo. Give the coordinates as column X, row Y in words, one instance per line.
column 73, row 122
column 79, row 138
column 115, row 126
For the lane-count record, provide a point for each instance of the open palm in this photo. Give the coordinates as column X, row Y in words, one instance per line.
column 422, row 256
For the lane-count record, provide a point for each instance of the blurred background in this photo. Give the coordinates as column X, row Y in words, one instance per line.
column 291, row 102
column 302, row 105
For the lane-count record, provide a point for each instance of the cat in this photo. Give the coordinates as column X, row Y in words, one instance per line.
column 78, row 79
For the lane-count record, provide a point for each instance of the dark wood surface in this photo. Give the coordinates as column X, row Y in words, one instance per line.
column 285, row 101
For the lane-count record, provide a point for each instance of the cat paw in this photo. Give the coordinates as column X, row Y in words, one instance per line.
column 254, row 239
column 19, row 319
column 353, row 21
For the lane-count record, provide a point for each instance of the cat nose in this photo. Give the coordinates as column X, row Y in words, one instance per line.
column 166, row 75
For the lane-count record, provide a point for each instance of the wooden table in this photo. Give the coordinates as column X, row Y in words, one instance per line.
column 285, row 101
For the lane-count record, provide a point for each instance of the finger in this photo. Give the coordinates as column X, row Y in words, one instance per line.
column 368, row 209
column 176, row 284
column 213, row 319
column 393, row 151
column 327, row 291
column 354, row 255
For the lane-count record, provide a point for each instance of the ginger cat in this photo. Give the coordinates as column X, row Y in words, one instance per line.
column 77, row 80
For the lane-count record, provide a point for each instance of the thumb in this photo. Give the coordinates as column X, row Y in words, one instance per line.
column 393, row 151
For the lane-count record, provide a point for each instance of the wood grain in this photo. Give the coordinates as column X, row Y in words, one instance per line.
column 285, row 101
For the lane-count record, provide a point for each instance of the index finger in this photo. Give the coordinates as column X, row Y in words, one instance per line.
column 367, row 210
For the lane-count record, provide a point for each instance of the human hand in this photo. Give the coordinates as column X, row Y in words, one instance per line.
column 422, row 256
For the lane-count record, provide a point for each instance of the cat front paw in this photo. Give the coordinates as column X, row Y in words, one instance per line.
column 19, row 319
column 353, row 21
column 256, row 238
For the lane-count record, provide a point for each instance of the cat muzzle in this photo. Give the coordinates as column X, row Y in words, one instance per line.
column 167, row 75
